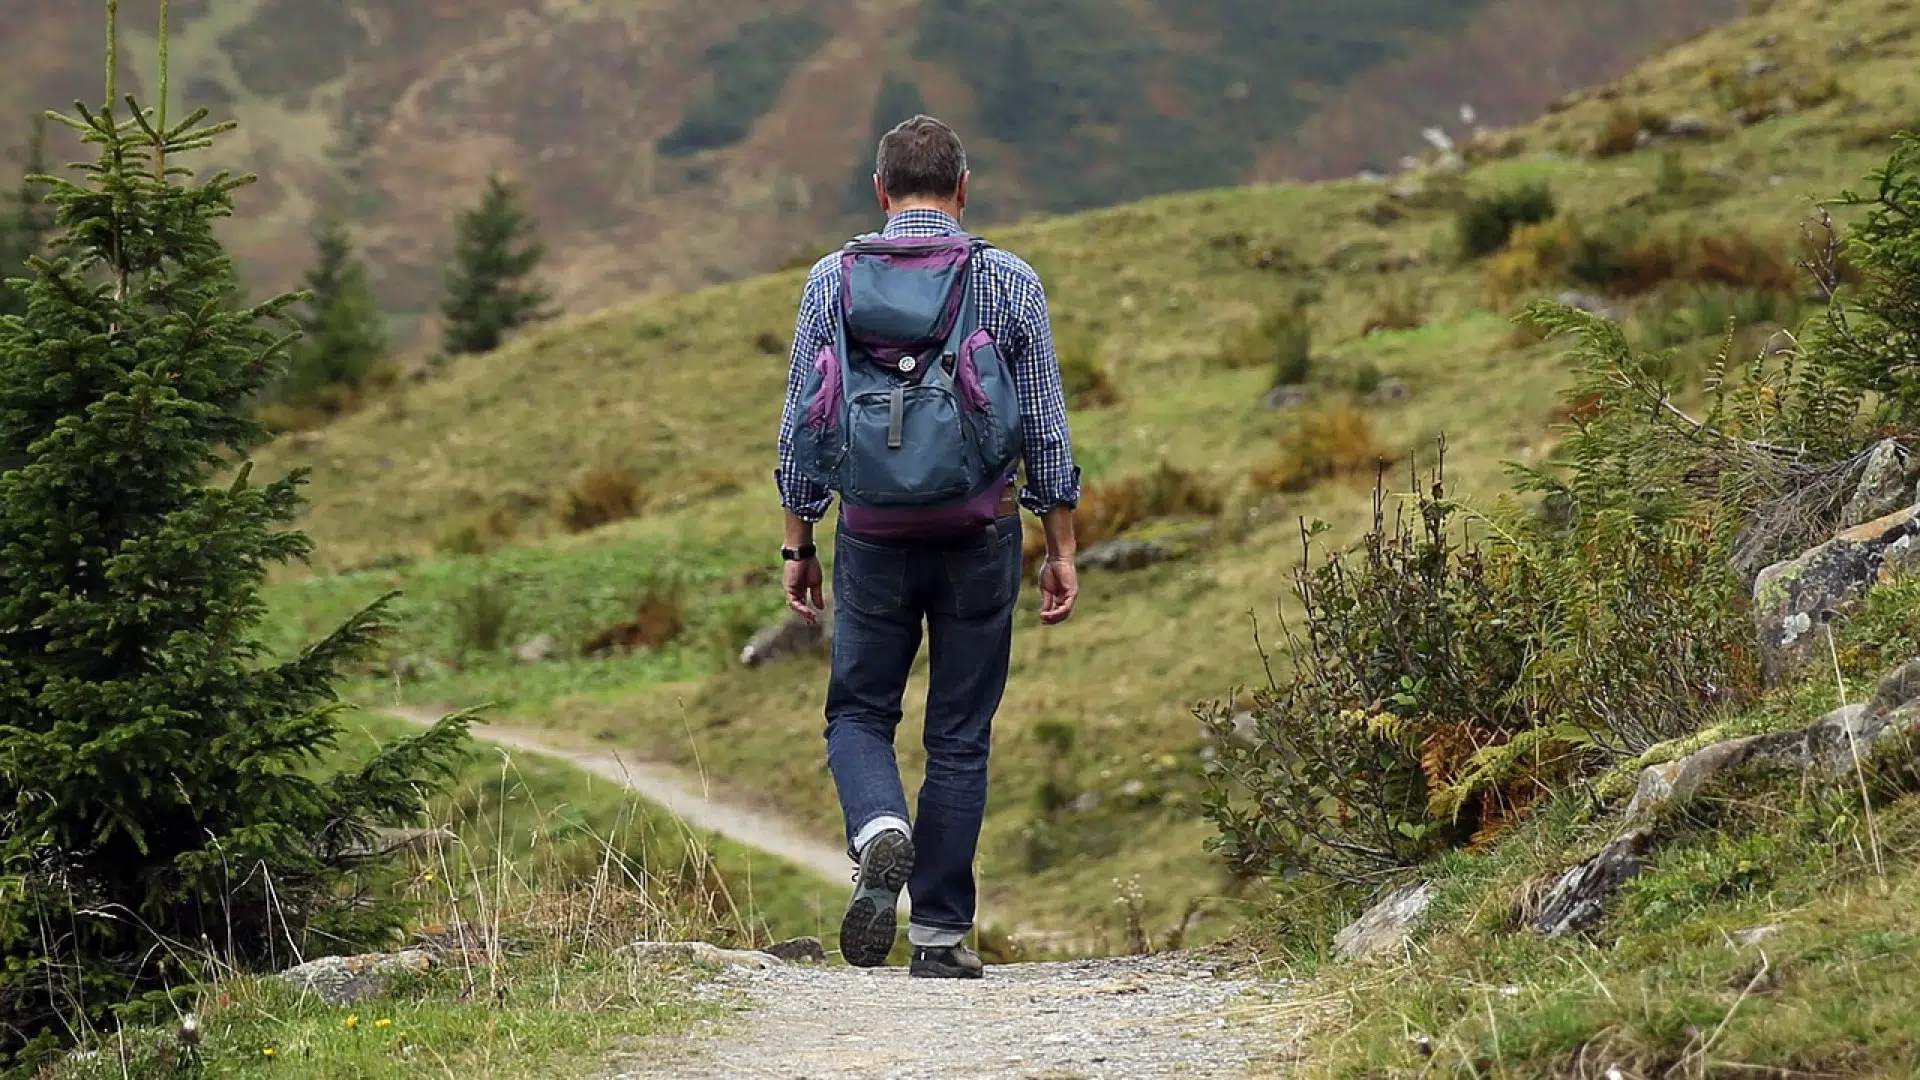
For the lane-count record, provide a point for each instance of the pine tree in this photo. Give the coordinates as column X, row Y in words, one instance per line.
column 24, row 222
column 159, row 797
column 488, row 291
column 344, row 332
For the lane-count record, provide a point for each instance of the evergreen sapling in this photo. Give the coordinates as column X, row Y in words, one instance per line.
column 160, row 807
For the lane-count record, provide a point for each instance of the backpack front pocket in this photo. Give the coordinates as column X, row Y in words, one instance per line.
column 907, row 446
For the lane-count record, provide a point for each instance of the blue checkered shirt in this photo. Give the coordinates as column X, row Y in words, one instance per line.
column 1013, row 308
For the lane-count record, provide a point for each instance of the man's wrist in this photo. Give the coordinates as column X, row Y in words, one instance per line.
column 798, row 552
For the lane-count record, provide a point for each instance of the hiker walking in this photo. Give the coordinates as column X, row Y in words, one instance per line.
column 923, row 372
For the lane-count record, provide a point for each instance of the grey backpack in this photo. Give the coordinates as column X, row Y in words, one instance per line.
column 912, row 415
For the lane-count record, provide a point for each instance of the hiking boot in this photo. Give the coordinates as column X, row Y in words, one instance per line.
column 945, row 962
column 867, row 932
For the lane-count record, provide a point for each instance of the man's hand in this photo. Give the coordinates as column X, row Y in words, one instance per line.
column 1059, row 588
column 804, row 580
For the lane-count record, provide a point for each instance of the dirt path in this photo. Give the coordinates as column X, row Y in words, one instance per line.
column 674, row 791
column 1130, row 1018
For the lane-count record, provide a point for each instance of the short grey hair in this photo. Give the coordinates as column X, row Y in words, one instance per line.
column 922, row 157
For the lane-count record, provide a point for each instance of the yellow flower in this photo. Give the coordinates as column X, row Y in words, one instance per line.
column 353, row 1021
column 268, row 1052
column 383, row 1022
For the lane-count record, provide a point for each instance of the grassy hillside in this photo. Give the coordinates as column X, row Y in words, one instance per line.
column 1165, row 300
column 672, row 144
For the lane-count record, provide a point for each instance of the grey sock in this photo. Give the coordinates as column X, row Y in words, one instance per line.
column 928, row 937
column 877, row 826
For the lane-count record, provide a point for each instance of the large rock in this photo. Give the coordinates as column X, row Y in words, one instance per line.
column 1886, row 484
column 1147, row 546
column 538, row 650
column 700, row 952
column 1579, row 898
column 1791, row 599
column 791, row 636
column 801, row 950
column 344, row 980
column 1823, row 750
column 1387, row 925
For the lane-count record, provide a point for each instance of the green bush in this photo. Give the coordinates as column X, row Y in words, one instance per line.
column 161, row 818
column 1281, row 339
column 1486, row 222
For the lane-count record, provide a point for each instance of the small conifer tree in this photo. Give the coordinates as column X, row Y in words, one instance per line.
column 489, row 290
column 25, row 222
column 161, row 806
column 344, row 332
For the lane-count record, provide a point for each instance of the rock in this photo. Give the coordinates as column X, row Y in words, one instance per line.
column 344, row 980
column 417, row 668
column 800, row 950
column 1387, row 925
column 1690, row 127
column 389, row 842
column 1790, row 597
column 1145, row 547
column 538, row 650
column 1579, row 898
column 1592, row 305
column 1086, row 802
column 1760, row 67
column 1886, row 484
column 1389, row 390
column 1896, row 691
column 791, row 636
column 1286, row 397
column 699, row 952
column 1755, row 935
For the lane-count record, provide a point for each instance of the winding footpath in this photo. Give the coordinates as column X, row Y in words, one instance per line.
column 1122, row 1018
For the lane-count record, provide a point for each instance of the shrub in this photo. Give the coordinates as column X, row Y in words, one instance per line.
column 1874, row 343
column 166, row 807
column 482, row 616
column 1623, row 130
column 1109, row 509
column 599, row 496
column 1280, row 338
column 1088, row 385
column 659, row 618
column 1324, row 444
column 1397, row 310
column 1485, row 224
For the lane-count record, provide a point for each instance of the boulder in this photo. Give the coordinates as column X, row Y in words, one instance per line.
column 538, row 650
column 1690, row 127
column 1387, row 925
column 1886, row 484
column 801, row 950
column 791, row 636
column 1825, row 749
column 1283, row 398
column 1146, row 547
column 345, row 980
column 700, row 952
column 1579, row 898
column 1790, row 599
column 1592, row 305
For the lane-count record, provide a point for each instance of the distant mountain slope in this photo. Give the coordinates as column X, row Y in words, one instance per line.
column 673, row 143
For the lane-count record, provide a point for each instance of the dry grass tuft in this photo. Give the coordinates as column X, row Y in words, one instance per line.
column 599, row 496
column 1325, row 444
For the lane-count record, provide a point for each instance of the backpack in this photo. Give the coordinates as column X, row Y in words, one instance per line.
column 911, row 413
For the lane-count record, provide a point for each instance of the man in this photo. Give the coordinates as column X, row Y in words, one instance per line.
column 962, row 588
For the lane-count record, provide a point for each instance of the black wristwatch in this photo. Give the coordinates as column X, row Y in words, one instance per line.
column 788, row 554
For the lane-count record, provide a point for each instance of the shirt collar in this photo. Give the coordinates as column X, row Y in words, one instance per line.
column 920, row 223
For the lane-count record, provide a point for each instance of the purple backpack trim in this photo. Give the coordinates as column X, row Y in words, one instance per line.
column 821, row 411
column 930, row 253
column 967, row 374
column 972, row 515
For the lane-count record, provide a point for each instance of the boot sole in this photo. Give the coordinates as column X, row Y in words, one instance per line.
column 871, row 925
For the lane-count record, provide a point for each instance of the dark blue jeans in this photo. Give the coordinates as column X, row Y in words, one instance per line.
column 963, row 589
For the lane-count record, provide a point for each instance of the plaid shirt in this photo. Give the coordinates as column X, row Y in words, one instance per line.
column 1013, row 307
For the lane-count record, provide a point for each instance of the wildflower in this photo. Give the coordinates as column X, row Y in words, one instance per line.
column 353, row 1021
column 383, row 1022
column 268, row 1052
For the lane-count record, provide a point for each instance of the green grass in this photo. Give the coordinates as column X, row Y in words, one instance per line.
column 1666, row 984
column 559, row 1014
column 679, row 390
column 535, row 830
